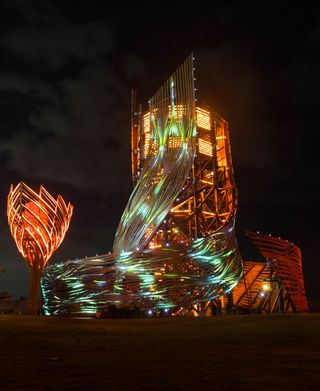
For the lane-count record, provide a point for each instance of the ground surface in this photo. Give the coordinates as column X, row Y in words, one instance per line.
column 229, row 353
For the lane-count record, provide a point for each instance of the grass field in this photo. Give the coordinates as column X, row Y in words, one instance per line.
column 222, row 353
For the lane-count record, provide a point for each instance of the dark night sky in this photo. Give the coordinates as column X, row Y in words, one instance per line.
column 66, row 72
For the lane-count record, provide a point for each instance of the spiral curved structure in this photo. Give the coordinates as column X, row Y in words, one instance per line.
column 171, row 153
column 38, row 224
column 175, row 243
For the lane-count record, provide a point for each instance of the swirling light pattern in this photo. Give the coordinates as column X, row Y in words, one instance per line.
column 180, row 276
column 79, row 287
column 38, row 224
column 166, row 168
column 175, row 244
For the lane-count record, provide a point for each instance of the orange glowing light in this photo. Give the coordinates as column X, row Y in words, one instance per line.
column 38, row 224
column 203, row 119
column 146, row 131
column 205, row 147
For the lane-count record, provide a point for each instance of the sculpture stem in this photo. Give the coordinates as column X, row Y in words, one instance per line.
column 34, row 290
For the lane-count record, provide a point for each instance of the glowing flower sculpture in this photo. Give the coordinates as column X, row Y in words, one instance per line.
column 38, row 224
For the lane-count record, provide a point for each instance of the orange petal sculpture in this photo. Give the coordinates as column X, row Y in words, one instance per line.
column 38, row 224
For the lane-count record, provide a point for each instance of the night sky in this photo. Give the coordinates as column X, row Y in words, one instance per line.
column 66, row 73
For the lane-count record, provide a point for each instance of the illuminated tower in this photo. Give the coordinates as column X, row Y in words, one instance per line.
column 38, row 224
column 175, row 244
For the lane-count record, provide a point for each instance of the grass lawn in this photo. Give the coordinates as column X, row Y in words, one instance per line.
column 221, row 353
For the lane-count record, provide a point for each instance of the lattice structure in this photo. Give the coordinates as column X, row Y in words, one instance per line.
column 38, row 224
column 208, row 199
